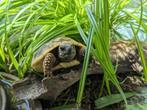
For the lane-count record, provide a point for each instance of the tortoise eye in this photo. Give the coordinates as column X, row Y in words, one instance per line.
column 63, row 48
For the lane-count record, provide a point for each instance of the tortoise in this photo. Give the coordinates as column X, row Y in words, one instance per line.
column 58, row 53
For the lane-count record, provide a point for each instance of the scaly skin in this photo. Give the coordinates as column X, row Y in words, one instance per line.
column 66, row 52
column 48, row 63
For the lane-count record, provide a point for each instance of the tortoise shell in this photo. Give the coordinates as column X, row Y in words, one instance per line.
column 50, row 46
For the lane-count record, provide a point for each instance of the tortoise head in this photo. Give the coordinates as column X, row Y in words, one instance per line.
column 66, row 52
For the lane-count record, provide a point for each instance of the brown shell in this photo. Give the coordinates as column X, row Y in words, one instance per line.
column 39, row 56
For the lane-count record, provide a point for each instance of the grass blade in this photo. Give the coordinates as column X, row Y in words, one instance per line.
column 85, row 65
column 109, row 100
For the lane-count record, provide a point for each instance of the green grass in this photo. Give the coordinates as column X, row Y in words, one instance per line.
column 26, row 25
column 30, row 24
column 85, row 63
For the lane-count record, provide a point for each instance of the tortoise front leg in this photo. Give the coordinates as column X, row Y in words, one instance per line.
column 48, row 63
column 82, row 53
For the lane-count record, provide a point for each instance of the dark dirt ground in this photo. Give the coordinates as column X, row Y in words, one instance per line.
column 92, row 90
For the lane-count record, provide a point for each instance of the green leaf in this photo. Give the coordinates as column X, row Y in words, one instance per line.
column 136, row 107
column 85, row 65
column 109, row 100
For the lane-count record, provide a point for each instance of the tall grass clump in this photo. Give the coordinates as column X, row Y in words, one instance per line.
column 26, row 25
column 99, row 33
